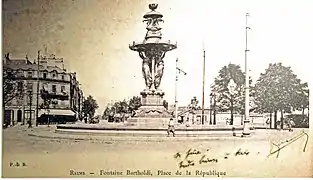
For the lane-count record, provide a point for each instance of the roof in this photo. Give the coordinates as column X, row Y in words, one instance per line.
column 24, row 64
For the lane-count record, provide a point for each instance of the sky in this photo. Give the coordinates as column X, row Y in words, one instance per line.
column 93, row 37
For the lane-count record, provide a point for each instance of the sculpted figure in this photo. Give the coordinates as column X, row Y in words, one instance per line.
column 147, row 67
column 146, row 70
column 159, row 69
column 154, row 30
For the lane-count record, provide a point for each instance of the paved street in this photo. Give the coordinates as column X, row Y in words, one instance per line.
column 56, row 157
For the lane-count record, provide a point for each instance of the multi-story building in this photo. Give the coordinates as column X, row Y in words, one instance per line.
column 32, row 78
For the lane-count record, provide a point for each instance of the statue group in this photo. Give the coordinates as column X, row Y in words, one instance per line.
column 152, row 68
column 152, row 51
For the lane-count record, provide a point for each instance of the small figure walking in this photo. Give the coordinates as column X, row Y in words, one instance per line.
column 290, row 125
column 171, row 128
column 29, row 123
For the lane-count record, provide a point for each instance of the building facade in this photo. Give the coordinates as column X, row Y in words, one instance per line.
column 32, row 78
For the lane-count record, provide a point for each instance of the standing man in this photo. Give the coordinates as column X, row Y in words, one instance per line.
column 171, row 128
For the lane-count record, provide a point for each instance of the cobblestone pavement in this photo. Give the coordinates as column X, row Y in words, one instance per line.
column 56, row 157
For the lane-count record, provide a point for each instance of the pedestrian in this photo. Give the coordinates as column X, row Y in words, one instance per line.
column 227, row 121
column 171, row 128
column 29, row 123
column 290, row 124
column 187, row 122
column 48, row 121
column 268, row 125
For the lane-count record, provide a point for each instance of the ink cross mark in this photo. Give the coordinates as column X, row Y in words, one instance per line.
column 279, row 146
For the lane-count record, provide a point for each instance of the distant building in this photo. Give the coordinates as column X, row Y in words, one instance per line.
column 62, row 87
column 194, row 117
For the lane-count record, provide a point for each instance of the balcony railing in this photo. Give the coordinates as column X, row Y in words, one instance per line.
column 55, row 95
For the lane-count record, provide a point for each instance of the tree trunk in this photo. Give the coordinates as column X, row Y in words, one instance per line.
column 214, row 111
column 303, row 107
column 271, row 121
column 281, row 119
column 275, row 119
column 231, row 112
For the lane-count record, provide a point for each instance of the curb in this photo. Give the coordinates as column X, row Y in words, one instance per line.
column 147, row 139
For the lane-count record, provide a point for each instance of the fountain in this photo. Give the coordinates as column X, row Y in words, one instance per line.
column 152, row 118
column 152, row 51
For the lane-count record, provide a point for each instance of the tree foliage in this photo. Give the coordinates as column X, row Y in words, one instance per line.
column 13, row 86
column 89, row 106
column 279, row 89
column 45, row 96
column 194, row 104
column 122, row 109
column 134, row 104
column 229, row 88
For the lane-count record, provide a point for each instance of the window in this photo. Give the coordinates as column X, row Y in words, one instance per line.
column 54, row 88
column 30, row 87
column 54, row 101
column 20, row 86
column 9, row 74
column 44, row 75
column 54, row 75
column 62, row 77
column 63, row 89
column 29, row 74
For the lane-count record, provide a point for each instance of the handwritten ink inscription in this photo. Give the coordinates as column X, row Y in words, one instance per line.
column 194, row 156
column 201, row 158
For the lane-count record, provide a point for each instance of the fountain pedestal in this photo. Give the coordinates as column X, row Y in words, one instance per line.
column 152, row 113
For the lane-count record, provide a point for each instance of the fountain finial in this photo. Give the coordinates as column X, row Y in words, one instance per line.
column 153, row 7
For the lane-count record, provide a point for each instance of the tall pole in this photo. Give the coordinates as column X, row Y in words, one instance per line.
column 37, row 93
column 211, row 108
column 203, row 81
column 246, row 128
column 30, row 108
column 176, row 100
column 178, row 71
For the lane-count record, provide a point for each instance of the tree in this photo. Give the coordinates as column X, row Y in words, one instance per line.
column 45, row 96
column 279, row 89
column 194, row 104
column 106, row 113
column 89, row 107
column 134, row 104
column 12, row 85
column 13, row 88
column 301, row 99
column 229, row 88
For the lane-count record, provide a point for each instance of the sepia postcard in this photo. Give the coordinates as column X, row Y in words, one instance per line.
column 156, row 88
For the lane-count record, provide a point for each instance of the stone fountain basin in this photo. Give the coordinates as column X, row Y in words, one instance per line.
column 158, row 44
column 125, row 129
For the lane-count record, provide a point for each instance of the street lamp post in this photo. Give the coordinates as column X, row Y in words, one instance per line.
column 203, row 86
column 211, row 107
column 37, row 92
column 178, row 71
column 214, row 109
column 246, row 122
column 30, row 95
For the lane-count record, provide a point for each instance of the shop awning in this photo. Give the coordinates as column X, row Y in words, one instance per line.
column 60, row 112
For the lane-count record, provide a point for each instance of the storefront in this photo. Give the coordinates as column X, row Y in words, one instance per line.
column 56, row 116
